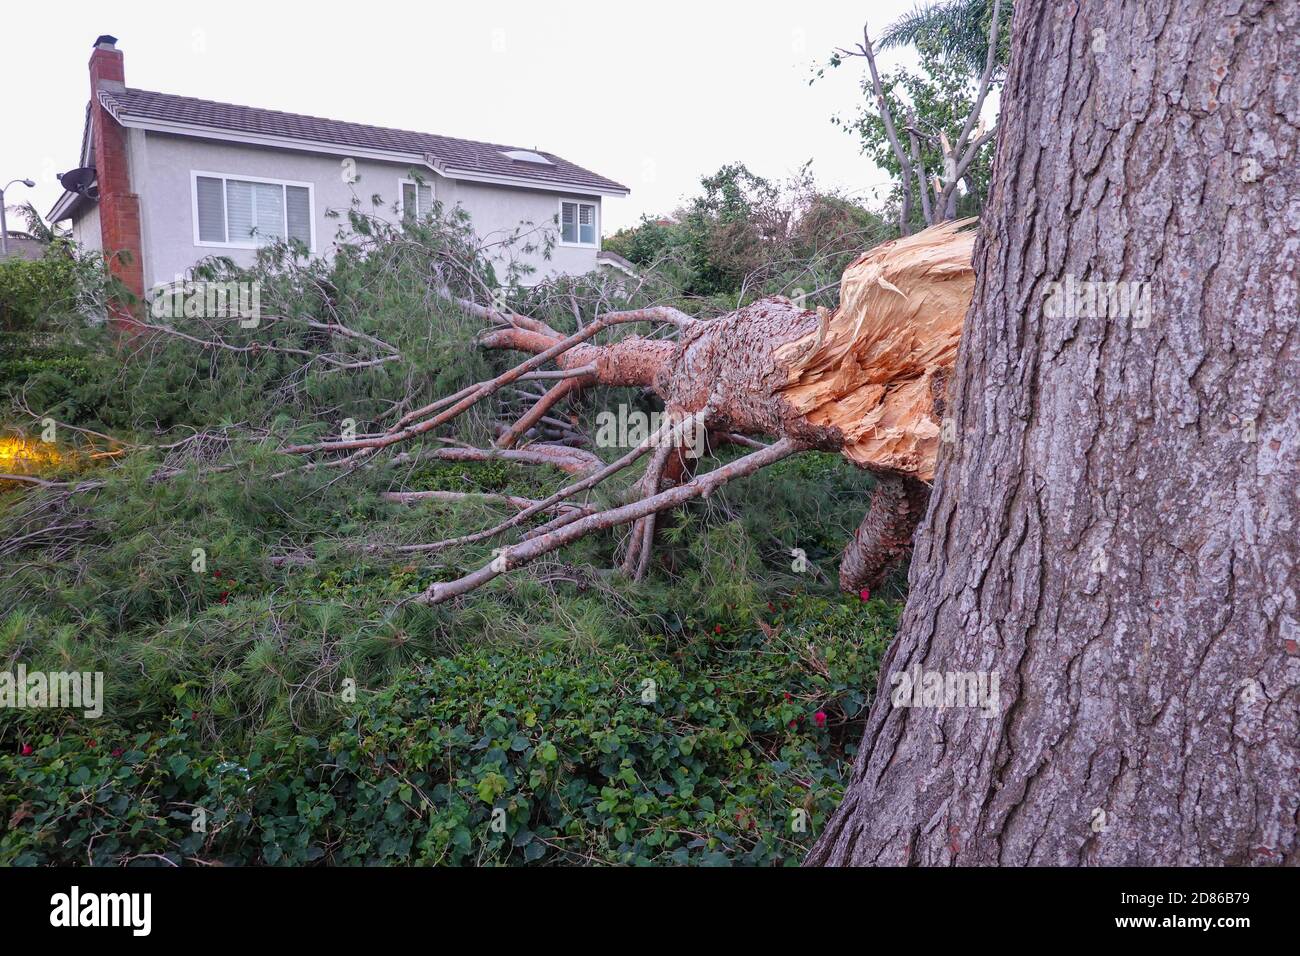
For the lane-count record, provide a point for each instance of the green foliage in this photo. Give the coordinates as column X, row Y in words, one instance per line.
column 935, row 101
column 951, row 38
column 684, row 749
column 42, row 302
column 32, row 288
column 645, row 244
column 745, row 237
column 958, row 30
column 225, row 682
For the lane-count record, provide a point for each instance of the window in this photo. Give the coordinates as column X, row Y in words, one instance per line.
column 577, row 223
column 247, row 213
column 417, row 199
column 527, row 156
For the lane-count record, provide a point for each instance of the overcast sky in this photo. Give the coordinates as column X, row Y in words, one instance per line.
column 653, row 95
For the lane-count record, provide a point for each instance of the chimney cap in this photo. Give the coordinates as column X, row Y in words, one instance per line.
column 106, row 42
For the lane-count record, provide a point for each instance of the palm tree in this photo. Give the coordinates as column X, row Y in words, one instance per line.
column 957, row 29
column 36, row 227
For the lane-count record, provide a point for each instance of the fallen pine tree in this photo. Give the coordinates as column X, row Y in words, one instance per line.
column 865, row 380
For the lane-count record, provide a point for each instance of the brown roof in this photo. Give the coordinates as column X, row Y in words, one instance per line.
column 452, row 154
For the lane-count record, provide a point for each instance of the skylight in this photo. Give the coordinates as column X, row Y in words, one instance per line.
column 526, row 156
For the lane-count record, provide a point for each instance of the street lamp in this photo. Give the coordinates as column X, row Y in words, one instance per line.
column 4, row 225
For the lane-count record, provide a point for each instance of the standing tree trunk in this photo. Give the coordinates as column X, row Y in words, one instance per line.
column 1113, row 534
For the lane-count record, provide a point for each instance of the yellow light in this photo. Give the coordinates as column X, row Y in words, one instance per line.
column 22, row 456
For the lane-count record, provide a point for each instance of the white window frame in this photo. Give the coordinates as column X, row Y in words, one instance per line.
column 595, row 215
column 225, row 210
column 401, row 203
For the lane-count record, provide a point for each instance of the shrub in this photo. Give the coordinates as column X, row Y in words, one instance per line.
column 492, row 756
column 41, row 300
column 222, row 682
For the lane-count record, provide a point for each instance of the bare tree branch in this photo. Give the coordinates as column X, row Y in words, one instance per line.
column 536, row 547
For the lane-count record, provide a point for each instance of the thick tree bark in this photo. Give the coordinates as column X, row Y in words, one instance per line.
column 884, row 538
column 1113, row 533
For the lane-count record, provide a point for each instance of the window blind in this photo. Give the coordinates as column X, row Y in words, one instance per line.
column 240, row 212
column 417, row 200
column 298, row 213
column 569, row 222
column 268, row 211
column 578, row 223
column 211, row 209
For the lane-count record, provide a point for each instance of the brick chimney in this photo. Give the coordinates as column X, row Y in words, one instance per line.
column 119, row 206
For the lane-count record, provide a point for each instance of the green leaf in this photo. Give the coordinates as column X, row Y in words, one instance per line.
column 491, row 786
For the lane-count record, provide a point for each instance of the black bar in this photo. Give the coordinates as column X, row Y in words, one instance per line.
column 329, row 906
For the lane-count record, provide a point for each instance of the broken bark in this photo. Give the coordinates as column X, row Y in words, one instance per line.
column 870, row 374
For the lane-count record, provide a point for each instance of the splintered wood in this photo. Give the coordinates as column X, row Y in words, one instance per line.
column 876, row 365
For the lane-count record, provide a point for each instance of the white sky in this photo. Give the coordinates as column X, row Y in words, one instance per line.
column 651, row 95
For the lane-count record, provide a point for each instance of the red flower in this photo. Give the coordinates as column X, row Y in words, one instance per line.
column 27, row 750
column 718, row 629
column 820, row 718
column 90, row 744
column 216, row 574
column 117, row 751
column 787, row 695
column 865, row 594
column 792, row 725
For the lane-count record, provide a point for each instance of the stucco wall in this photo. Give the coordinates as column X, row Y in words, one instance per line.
column 498, row 211
column 161, row 175
column 85, row 230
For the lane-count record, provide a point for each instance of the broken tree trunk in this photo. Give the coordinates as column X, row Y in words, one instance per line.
column 865, row 380
column 876, row 369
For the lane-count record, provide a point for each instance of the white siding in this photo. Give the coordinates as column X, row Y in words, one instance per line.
column 163, row 182
column 85, row 230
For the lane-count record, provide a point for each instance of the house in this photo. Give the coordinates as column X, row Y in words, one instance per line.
column 173, row 180
column 20, row 245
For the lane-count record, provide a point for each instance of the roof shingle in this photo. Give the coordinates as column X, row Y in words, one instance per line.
column 451, row 154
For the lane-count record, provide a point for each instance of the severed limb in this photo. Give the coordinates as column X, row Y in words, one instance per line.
column 641, row 540
column 667, row 433
column 477, row 393
column 514, row 501
column 535, row 414
column 534, row 548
